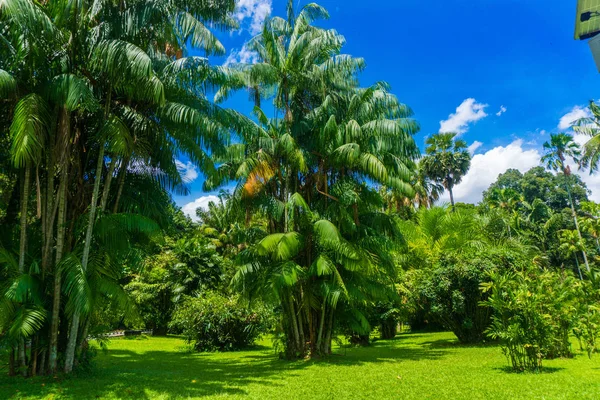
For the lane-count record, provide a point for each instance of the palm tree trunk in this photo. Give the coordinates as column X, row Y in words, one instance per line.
column 294, row 322
column 72, row 342
column 22, row 357
column 327, row 344
column 122, row 174
column 585, row 260
column 22, row 250
column 106, row 191
column 24, row 204
column 60, row 244
column 578, row 269
column 321, row 326
column 451, row 198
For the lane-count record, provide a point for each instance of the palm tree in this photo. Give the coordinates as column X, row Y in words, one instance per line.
column 447, row 160
column 561, row 147
column 570, row 245
column 590, row 126
column 427, row 191
column 507, row 200
column 309, row 171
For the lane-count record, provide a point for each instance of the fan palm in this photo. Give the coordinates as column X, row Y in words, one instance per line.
column 447, row 161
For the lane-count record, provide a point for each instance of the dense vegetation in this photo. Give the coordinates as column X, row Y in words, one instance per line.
column 331, row 230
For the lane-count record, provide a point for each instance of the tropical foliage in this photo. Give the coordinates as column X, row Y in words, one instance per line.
column 329, row 222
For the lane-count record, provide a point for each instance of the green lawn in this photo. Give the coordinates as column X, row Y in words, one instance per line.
column 413, row 366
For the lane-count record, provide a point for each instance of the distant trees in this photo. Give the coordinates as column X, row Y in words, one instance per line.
column 561, row 147
column 447, row 161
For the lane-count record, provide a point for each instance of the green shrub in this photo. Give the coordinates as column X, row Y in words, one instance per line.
column 533, row 314
column 587, row 326
column 215, row 322
column 451, row 295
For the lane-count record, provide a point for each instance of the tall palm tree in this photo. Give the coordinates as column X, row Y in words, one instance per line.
column 447, row 160
column 309, row 170
column 558, row 150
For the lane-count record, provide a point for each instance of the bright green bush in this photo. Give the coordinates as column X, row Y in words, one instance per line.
column 216, row 322
column 587, row 326
column 533, row 315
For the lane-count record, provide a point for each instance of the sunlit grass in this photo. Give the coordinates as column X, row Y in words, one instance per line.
column 413, row 366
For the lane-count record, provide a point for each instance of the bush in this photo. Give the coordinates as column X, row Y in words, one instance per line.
column 215, row 322
column 587, row 326
column 533, row 314
column 451, row 295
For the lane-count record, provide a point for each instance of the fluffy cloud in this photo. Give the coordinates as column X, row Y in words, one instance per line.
column 243, row 56
column 190, row 208
column 501, row 111
column 255, row 11
column 188, row 172
column 486, row 167
column 474, row 146
column 469, row 111
column 576, row 113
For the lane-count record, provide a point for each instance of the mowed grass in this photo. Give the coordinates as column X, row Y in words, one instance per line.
column 412, row 366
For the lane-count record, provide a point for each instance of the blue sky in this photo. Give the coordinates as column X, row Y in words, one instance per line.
column 508, row 70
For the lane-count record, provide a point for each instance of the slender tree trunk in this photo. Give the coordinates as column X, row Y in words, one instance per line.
column 327, row 344
column 578, row 269
column 106, row 191
column 22, row 357
column 24, row 204
column 321, row 326
column 34, row 356
column 294, row 322
column 122, row 174
column 84, row 334
column 585, row 260
column 71, row 344
column 451, row 198
column 22, row 250
column 60, row 245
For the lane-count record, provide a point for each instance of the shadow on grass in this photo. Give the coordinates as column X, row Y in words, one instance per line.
column 128, row 374
column 545, row 370
column 454, row 343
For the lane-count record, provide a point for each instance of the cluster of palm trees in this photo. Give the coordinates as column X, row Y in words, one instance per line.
column 97, row 101
column 309, row 171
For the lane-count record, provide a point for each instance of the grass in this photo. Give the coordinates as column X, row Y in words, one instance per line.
column 412, row 366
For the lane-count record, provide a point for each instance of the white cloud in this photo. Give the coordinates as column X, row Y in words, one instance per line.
column 576, row 113
column 243, row 56
column 202, row 202
column 474, row 146
column 188, row 171
column 501, row 111
column 469, row 111
column 486, row 167
column 255, row 11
